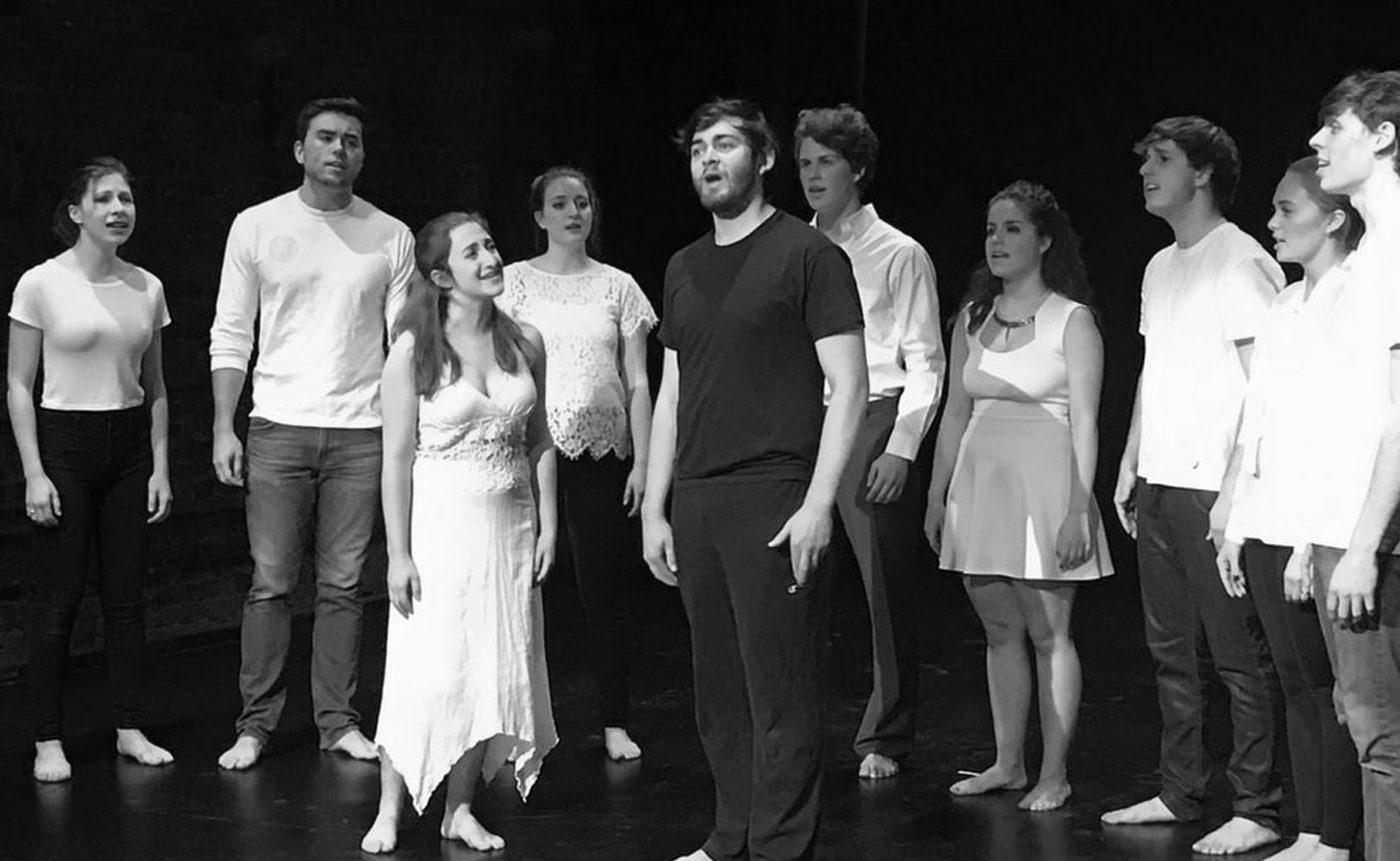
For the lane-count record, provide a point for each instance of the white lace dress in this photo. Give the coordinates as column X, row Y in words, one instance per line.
column 584, row 319
column 469, row 665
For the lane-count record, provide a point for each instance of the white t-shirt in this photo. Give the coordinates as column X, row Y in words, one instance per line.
column 95, row 335
column 584, row 319
column 321, row 286
column 1197, row 303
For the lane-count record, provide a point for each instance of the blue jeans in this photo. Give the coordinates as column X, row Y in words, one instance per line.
column 1368, row 681
column 314, row 487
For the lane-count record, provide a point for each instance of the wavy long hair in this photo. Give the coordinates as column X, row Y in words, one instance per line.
column 424, row 312
column 1061, row 267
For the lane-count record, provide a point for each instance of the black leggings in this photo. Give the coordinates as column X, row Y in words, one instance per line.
column 1326, row 777
column 100, row 463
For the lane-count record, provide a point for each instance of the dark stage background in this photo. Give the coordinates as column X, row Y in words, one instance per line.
column 469, row 100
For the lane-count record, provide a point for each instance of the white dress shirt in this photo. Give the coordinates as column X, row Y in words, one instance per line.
column 899, row 297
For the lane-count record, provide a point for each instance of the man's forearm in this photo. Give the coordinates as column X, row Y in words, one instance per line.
column 228, row 386
column 1383, row 493
column 838, row 437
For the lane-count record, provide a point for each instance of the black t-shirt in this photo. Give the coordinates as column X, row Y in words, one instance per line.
column 742, row 319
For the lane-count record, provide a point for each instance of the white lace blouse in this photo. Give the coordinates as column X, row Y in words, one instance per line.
column 584, row 319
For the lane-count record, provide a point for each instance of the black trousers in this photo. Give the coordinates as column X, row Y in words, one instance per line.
column 1326, row 776
column 885, row 540
column 1190, row 623
column 99, row 462
column 604, row 548
column 756, row 648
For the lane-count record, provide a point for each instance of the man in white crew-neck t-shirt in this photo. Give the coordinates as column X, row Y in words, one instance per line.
column 1204, row 297
column 321, row 272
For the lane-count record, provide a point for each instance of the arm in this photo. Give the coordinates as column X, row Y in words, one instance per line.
column 658, row 547
column 544, row 464
column 1083, row 348
column 1220, row 511
column 638, row 388
column 158, row 495
column 230, row 346
column 399, row 406
column 1126, row 487
column 957, row 412
column 41, row 500
column 808, row 530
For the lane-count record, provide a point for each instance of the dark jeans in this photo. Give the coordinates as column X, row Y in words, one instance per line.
column 100, row 463
column 1326, row 778
column 1368, row 678
column 885, row 540
column 306, row 486
column 1190, row 621
column 604, row 548
column 757, row 654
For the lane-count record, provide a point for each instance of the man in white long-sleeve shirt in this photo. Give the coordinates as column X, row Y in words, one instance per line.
column 321, row 271
column 879, row 505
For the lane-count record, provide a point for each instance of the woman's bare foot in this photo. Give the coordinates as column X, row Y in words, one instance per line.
column 877, row 766
column 1046, row 795
column 50, row 763
column 697, row 855
column 243, row 755
column 461, row 825
column 1236, row 836
column 619, row 744
column 383, row 835
column 992, row 780
column 1153, row 811
column 354, row 745
column 133, row 744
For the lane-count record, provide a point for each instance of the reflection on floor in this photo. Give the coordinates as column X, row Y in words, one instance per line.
column 302, row 804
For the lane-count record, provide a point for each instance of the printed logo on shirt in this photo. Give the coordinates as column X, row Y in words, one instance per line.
column 282, row 248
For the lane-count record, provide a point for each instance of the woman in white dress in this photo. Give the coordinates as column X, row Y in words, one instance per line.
column 1011, row 501
column 470, row 523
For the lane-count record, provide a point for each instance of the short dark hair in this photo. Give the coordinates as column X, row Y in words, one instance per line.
column 745, row 114
column 534, row 202
column 1373, row 96
column 1206, row 145
column 81, row 179
column 347, row 105
column 1354, row 227
column 843, row 129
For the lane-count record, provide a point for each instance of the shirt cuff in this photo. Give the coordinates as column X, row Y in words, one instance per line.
column 902, row 444
column 219, row 362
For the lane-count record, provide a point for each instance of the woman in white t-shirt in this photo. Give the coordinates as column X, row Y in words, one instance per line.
column 93, row 451
column 594, row 319
column 1272, row 482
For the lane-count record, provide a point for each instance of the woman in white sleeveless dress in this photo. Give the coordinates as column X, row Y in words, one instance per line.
column 470, row 522
column 1011, row 497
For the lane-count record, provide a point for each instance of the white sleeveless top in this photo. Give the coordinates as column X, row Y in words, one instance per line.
column 1034, row 373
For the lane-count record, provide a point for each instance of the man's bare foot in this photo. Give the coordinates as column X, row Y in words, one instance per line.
column 50, row 763
column 877, row 766
column 1153, row 811
column 1300, row 850
column 697, row 855
column 1046, row 795
column 461, row 825
column 354, row 744
column 244, row 754
column 133, row 744
column 1236, row 836
column 1323, row 852
column 619, row 744
column 993, row 779
column 383, row 835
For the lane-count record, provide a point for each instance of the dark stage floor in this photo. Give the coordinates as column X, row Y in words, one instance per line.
column 301, row 804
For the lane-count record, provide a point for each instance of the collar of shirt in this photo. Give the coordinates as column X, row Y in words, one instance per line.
column 850, row 227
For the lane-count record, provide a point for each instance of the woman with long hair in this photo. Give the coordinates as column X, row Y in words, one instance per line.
column 594, row 319
column 1011, row 501
column 94, row 451
column 1269, row 485
column 469, row 522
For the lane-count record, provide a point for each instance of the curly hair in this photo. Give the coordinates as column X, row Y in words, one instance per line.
column 845, row 130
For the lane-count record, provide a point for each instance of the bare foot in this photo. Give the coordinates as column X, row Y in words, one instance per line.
column 697, row 855
column 1300, row 850
column 1047, row 795
column 383, row 835
column 1236, row 836
column 243, row 755
column 461, row 825
column 1323, row 852
column 354, row 744
column 877, row 766
column 50, row 763
column 993, row 779
column 133, row 744
column 620, row 745
column 1153, row 811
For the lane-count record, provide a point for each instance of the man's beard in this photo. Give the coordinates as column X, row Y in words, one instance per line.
column 742, row 187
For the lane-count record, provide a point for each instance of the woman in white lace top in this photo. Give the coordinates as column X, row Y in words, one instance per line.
column 594, row 319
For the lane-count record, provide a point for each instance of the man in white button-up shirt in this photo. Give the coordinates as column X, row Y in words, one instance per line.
column 1204, row 297
column 878, row 503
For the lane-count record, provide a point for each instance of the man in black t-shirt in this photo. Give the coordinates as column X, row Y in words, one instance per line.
column 757, row 317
